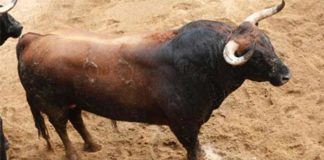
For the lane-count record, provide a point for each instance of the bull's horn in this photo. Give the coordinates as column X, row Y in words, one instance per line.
column 230, row 57
column 7, row 6
column 256, row 17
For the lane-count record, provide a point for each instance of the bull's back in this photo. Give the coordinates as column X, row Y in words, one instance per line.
column 54, row 58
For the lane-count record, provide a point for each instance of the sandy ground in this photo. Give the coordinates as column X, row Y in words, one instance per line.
column 257, row 122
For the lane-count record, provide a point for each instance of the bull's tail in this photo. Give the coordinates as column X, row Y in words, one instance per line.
column 24, row 41
column 40, row 125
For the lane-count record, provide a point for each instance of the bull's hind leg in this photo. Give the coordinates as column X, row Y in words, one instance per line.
column 59, row 118
column 75, row 118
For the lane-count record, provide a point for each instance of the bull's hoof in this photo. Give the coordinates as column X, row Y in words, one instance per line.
column 73, row 156
column 49, row 145
column 92, row 147
column 50, row 149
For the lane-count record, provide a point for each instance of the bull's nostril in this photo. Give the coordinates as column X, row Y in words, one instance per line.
column 286, row 77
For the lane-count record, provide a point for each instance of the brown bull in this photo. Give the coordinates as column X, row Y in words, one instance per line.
column 175, row 78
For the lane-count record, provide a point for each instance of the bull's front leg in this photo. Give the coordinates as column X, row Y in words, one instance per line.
column 187, row 134
column 185, row 128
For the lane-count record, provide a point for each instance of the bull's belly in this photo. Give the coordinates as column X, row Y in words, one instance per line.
column 120, row 112
column 127, row 104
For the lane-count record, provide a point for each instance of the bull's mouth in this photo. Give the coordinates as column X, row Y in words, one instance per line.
column 16, row 35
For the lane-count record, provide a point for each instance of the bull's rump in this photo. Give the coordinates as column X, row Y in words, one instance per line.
column 101, row 78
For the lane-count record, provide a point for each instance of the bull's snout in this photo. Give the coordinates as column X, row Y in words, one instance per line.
column 285, row 78
column 282, row 76
column 20, row 28
column 16, row 31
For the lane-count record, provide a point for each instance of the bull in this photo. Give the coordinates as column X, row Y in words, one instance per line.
column 175, row 78
column 9, row 27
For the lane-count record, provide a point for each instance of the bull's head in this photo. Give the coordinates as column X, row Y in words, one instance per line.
column 9, row 27
column 250, row 48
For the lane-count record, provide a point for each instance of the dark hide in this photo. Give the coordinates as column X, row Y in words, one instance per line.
column 3, row 143
column 174, row 78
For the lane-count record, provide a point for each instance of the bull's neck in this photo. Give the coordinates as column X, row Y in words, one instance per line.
column 202, row 63
column 223, row 78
